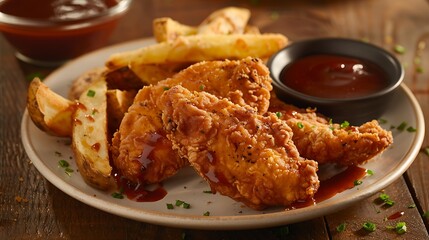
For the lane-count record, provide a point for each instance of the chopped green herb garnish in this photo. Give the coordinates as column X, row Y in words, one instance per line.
column 206, row 213
column 386, row 199
column 344, row 124
column 382, row 121
column 63, row 163
column 186, row 205
column 341, row 227
column 183, row 204
column 300, row 125
column 170, row 206
column 279, row 114
column 202, row 86
column 412, row 206
column 166, row 88
column 401, row 126
column 419, row 69
column 117, row 195
column 411, row 129
column 384, row 196
column 69, row 170
column 31, row 76
column 426, row 214
column 90, row 93
column 357, row 182
column 369, row 172
column 389, row 202
column 399, row 49
column 401, row 228
column 207, row 191
column 369, row 226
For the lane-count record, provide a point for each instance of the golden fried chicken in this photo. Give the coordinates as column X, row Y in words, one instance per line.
column 318, row 139
column 140, row 150
column 242, row 154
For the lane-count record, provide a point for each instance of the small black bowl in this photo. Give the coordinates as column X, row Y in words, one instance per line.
column 355, row 110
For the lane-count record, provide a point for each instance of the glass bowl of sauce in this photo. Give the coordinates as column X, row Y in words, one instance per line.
column 344, row 79
column 50, row 32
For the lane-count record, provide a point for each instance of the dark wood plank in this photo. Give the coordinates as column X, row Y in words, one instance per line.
column 375, row 211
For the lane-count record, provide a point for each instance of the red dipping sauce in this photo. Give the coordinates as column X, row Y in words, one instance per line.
column 58, row 30
column 332, row 76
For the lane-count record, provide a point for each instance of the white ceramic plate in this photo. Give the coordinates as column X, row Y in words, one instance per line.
column 45, row 152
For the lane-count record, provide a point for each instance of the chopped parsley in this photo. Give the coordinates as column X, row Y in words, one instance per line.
column 369, row 172
column 369, row 226
column 300, row 125
column 202, row 86
column 399, row 49
column 386, row 199
column 400, row 228
column 63, row 163
column 90, row 93
column 402, row 126
column 341, row 227
column 170, row 206
column 426, row 214
column 357, row 182
column 166, row 88
column 412, row 206
column 382, row 121
column 117, row 195
column 411, row 129
column 206, row 213
column 207, row 191
column 279, row 114
column 344, row 124
column 419, row 69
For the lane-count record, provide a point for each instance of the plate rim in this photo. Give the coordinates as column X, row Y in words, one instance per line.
column 214, row 222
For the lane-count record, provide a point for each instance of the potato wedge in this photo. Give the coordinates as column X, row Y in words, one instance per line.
column 49, row 111
column 90, row 138
column 80, row 84
column 167, row 29
column 118, row 103
column 230, row 20
column 197, row 48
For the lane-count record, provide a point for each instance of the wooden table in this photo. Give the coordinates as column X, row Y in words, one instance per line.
column 32, row 208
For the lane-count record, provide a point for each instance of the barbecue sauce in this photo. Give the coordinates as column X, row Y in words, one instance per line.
column 331, row 76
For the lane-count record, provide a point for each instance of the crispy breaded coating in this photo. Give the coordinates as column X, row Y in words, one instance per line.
column 242, row 154
column 140, row 158
column 318, row 139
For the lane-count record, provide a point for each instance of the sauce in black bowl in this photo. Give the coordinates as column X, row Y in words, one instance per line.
column 346, row 80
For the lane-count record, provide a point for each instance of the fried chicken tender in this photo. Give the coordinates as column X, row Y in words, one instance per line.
column 141, row 152
column 242, row 154
column 325, row 142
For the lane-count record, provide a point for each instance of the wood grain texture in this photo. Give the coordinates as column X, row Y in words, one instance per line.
column 32, row 208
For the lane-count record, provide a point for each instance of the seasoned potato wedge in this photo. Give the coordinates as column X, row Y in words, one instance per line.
column 80, row 84
column 49, row 111
column 197, row 48
column 167, row 29
column 230, row 20
column 118, row 103
column 90, row 138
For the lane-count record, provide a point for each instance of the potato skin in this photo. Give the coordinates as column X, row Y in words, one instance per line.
column 49, row 111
